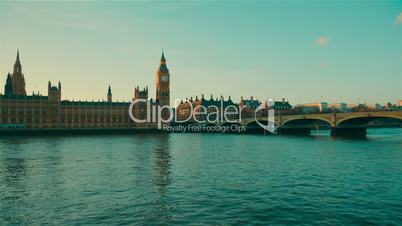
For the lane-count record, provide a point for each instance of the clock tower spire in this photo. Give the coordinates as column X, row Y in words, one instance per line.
column 163, row 82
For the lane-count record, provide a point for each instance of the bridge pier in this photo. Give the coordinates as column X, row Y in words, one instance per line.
column 348, row 132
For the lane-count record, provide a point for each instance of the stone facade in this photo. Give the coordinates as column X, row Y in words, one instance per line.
column 198, row 109
column 189, row 109
column 18, row 110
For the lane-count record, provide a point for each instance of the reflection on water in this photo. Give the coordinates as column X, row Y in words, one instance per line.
column 159, row 179
column 162, row 163
column 12, row 172
column 162, row 179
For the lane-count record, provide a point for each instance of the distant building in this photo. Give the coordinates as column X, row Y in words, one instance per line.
column 321, row 107
column 185, row 110
column 246, row 108
column 249, row 107
column 309, row 108
column 205, row 109
column 37, row 111
column 339, row 107
column 282, row 106
column 358, row 107
column 374, row 106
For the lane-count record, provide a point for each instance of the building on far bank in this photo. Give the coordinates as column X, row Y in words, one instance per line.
column 342, row 107
column 19, row 110
column 365, row 107
column 193, row 110
column 320, row 107
column 283, row 106
column 339, row 107
column 249, row 106
column 375, row 107
column 246, row 108
column 280, row 107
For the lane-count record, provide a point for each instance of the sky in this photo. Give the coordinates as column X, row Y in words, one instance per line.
column 304, row 51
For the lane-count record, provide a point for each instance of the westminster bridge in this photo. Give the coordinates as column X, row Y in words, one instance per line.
column 351, row 123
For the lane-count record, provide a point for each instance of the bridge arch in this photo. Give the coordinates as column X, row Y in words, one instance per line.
column 305, row 121
column 362, row 120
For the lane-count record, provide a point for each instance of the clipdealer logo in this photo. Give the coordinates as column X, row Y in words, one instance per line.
column 208, row 119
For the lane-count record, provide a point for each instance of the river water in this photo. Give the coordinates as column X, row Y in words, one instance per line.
column 204, row 179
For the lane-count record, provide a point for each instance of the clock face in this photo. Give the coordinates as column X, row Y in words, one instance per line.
column 164, row 78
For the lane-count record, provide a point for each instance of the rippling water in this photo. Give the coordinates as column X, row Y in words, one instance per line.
column 202, row 178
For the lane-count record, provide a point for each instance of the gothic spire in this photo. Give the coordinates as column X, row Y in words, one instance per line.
column 109, row 91
column 162, row 67
column 17, row 65
column 17, row 61
column 109, row 94
column 163, row 60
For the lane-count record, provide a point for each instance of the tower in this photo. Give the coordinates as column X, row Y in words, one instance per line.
column 54, row 93
column 8, row 88
column 109, row 95
column 53, row 105
column 140, row 94
column 140, row 109
column 163, row 83
column 18, row 79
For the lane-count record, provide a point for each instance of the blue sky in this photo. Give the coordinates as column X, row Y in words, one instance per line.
column 305, row 51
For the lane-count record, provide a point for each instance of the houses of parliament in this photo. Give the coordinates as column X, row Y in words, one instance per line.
column 17, row 109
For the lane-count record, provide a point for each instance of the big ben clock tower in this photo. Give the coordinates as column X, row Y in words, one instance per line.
column 163, row 83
